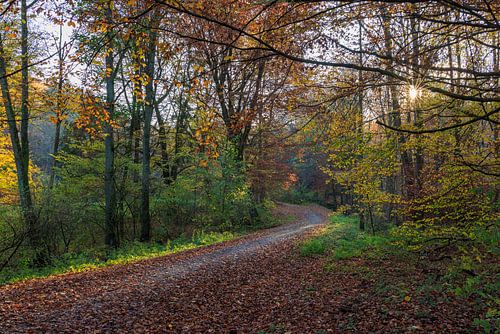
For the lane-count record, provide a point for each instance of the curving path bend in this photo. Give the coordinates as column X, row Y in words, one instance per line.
column 116, row 299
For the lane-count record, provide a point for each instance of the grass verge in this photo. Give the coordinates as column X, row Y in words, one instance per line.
column 128, row 253
column 462, row 277
column 342, row 239
column 132, row 252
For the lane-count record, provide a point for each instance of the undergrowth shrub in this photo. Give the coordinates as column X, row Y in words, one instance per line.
column 207, row 203
column 215, row 196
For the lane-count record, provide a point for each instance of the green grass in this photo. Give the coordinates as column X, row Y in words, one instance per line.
column 316, row 246
column 128, row 253
column 342, row 239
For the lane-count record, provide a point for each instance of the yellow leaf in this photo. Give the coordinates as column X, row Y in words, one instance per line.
column 407, row 298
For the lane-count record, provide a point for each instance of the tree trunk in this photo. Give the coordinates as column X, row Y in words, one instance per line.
column 19, row 137
column 496, row 62
column 146, row 142
column 55, row 150
column 362, row 220
column 34, row 236
column 419, row 155
column 57, row 135
column 395, row 120
column 162, row 138
column 109, row 146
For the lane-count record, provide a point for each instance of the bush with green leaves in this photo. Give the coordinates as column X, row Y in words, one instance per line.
column 214, row 196
column 73, row 210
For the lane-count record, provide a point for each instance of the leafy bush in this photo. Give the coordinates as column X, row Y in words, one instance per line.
column 452, row 214
column 216, row 196
column 73, row 209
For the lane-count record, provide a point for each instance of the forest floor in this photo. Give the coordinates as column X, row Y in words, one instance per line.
column 259, row 283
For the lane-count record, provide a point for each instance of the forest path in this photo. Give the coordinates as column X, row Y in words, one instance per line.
column 187, row 292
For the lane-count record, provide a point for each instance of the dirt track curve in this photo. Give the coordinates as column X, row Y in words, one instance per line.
column 161, row 294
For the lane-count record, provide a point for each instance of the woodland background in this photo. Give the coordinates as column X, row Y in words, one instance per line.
column 129, row 125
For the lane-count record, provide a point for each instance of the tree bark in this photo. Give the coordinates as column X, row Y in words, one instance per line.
column 395, row 116
column 111, row 239
column 419, row 155
column 57, row 135
column 146, row 142
column 19, row 138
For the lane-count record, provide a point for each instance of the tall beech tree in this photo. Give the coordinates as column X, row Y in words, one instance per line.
column 18, row 130
column 109, row 164
column 149, row 105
